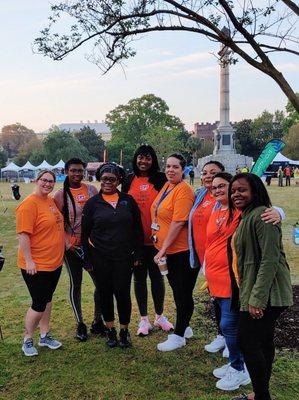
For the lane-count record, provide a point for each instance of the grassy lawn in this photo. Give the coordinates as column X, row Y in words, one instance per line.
column 90, row 370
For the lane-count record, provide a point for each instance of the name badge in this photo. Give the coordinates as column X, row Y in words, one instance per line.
column 155, row 226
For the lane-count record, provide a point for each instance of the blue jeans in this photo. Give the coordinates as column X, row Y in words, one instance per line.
column 229, row 327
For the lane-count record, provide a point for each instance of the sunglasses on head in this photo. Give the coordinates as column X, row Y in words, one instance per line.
column 110, row 179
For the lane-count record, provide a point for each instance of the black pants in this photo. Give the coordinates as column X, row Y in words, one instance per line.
column 288, row 181
column 182, row 279
column 256, row 341
column 113, row 278
column 74, row 266
column 41, row 287
column 149, row 267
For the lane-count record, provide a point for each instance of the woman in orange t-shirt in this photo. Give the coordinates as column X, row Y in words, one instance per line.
column 143, row 185
column 218, row 279
column 197, row 227
column 40, row 232
column 170, row 213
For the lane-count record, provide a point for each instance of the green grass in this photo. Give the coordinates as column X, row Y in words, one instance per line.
column 90, row 371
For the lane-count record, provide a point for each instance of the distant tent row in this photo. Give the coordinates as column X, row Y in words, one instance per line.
column 28, row 166
column 12, row 167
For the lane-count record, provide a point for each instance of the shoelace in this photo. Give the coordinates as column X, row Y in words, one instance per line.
column 163, row 319
column 29, row 343
column 143, row 323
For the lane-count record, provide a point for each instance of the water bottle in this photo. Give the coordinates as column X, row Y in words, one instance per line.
column 296, row 233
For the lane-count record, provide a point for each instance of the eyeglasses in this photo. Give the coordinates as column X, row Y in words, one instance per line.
column 76, row 171
column 51, row 181
column 221, row 186
column 110, row 179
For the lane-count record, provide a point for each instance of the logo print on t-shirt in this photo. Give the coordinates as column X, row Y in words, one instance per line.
column 206, row 203
column 81, row 197
column 144, row 187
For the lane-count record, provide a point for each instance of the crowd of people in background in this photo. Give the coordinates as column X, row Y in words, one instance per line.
column 151, row 223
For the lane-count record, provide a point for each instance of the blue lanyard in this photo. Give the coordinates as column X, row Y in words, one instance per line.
column 164, row 195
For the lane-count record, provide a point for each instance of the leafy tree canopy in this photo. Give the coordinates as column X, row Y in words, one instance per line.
column 94, row 144
column 291, row 118
column 60, row 144
column 254, row 29
column 27, row 150
column 14, row 136
column 3, row 158
column 145, row 120
column 292, row 142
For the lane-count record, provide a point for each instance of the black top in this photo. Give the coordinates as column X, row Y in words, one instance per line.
column 158, row 179
column 115, row 232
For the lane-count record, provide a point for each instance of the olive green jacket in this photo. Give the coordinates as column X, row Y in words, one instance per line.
column 263, row 270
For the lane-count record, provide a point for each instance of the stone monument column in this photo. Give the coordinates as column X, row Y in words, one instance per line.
column 224, row 136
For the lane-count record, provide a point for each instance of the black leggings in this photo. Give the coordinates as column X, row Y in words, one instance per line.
column 256, row 340
column 74, row 266
column 113, row 278
column 182, row 279
column 157, row 282
column 41, row 287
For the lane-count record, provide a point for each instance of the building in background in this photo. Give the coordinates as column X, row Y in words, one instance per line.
column 100, row 128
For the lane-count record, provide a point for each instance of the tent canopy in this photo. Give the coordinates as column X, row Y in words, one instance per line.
column 280, row 158
column 44, row 165
column 59, row 165
column 11, row 167
column 28, row 166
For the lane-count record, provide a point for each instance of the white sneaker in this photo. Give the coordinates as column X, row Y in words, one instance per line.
column 188, row 333
column 233, row 379
column 172, row 343
column 221, row 371
column 217, row 344
column 225, row 353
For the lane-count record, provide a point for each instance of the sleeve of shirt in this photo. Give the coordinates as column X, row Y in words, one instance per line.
column 58, row 199
column 26, row 217
column 86, row 228
column 183, row 203
column 269, row 237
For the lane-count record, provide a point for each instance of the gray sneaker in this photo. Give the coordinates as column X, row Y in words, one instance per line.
column 49, row 341
column 28, row 348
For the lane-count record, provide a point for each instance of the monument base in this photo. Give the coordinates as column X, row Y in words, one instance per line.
column 231, row 162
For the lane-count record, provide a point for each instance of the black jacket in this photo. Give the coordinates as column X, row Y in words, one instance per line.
column 115, row 232
column 158, row 179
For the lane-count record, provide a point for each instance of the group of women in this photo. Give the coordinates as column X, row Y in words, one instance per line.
column 229, row 228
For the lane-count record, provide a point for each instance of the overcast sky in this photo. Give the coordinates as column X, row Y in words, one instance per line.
column 180, row 68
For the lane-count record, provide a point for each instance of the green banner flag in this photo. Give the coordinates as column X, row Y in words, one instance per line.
column 267, row 156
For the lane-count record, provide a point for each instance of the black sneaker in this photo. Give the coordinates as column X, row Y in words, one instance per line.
column 98, row 328
column 111, row 338
column 81, row 333
column 124, row 339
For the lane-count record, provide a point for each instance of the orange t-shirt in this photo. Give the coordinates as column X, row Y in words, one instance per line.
column 80, row 196
column 112, row 199
column 200, row 219
column 144, row 194
column 42, row 221
column 176, row 206
column 216, row 261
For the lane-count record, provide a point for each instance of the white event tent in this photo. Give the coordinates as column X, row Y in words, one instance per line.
column 45, row 165
column 280, row 158
column 59, row 165
column 28, row 166
column 11, row 167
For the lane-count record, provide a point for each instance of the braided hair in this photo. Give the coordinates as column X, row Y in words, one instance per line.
column 67, row 192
